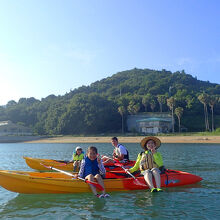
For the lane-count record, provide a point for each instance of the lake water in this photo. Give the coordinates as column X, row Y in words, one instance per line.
column 199, row 201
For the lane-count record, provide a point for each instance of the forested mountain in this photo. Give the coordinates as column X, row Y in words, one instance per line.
column 98, row 108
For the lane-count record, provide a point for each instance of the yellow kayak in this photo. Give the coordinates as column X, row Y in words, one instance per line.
column 35, row 163
column 53, row 182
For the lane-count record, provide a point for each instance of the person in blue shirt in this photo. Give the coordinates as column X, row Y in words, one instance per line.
column 93, row 169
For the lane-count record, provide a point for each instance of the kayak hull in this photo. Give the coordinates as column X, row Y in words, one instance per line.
column 36, row 164
column 52, row 182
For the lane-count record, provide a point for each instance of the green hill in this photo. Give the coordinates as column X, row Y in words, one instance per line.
column 93, row 109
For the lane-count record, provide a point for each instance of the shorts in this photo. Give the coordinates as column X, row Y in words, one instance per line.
column 146, row 171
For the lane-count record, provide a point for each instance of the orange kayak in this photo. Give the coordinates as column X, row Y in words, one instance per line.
column 36, row 164
column 53, row 182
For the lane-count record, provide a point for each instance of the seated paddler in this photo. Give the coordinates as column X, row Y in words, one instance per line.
column 150, row 162
column 77, row 157
column 93, row 169
column 120, row 153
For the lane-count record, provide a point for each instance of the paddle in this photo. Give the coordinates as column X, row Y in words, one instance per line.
column 136, row 181
column 98, row 186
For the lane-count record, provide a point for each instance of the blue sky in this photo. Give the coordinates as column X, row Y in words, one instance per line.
column 50, row 46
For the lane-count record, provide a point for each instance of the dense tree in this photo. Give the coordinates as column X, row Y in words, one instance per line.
column 95, row 108
column 11, row 103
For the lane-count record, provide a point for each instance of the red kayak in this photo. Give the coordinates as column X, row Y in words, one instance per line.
column 117, row 166
column 170, row 178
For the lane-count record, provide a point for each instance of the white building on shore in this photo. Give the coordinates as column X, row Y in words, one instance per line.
column 10, row 128
column 150, row 123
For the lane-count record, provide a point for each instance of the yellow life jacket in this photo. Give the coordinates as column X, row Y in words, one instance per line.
column 147, row 162
column 78, row 157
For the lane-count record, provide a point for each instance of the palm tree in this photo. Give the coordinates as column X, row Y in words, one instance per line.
column 171, row 104
column 152, row 103
column 146, row 100
column 179, row 113
column 203, row 98
column 133, row 107
column 162, row 100
column 136, row 108
column 130, row 107
column 212, row 101
column 122, row 111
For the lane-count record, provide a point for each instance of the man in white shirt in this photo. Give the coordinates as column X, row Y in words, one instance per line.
column 120, row 153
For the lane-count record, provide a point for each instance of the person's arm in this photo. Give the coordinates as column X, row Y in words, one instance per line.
column 82, row 166
column 122, row 151
column 72, row 158
column 119, row 157
column 137, row 164
column 101, row 168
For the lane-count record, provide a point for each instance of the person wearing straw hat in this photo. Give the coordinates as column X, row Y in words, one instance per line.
column 150, row 162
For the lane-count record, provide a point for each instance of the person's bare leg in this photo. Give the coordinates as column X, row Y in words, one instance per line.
column 156, row 177
column 78, row 164
column 100, row 181
column 74, row 166
column 90, row 177
column 148, row 179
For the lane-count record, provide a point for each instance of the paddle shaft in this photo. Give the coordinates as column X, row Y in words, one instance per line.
column 80, row 178
column 62, row 171
column 128, row 172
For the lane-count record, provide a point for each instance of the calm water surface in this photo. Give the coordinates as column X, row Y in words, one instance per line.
column 199, row 201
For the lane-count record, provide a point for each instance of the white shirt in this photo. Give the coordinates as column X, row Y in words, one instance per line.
column 122, row 149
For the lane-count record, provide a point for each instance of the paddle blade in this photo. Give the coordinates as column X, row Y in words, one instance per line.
column 48, row 167
column 138, row 183
column 61, row 164
column 98, row 186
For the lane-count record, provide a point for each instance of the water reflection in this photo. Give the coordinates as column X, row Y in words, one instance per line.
column 43, row 203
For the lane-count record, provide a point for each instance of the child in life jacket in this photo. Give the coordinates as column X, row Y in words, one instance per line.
column 149, row 162
column 93, row 169
column 78, row 155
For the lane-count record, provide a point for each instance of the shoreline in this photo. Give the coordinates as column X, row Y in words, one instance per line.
column 137, row 139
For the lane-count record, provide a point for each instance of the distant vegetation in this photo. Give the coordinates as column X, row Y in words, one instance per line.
column 103, row 106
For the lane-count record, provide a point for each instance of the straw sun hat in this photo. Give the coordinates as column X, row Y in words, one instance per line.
column 146, row 139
